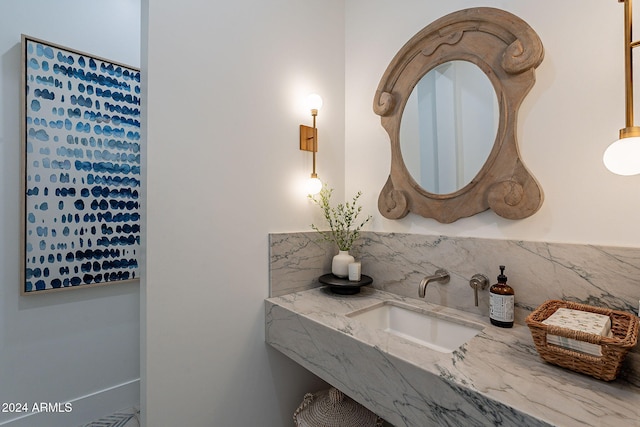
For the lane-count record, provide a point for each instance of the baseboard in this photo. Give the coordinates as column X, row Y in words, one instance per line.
column 79, row 411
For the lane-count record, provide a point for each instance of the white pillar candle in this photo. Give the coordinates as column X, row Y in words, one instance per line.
column 354, row 271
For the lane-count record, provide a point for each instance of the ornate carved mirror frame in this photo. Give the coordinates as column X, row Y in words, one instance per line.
column 507, row 50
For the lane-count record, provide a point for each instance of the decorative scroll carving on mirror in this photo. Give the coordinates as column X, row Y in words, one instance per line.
column 507, row 50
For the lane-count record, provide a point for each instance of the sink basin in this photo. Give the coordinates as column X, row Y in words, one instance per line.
column 436, row 331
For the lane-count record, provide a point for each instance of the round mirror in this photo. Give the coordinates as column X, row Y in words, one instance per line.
column 449, row 126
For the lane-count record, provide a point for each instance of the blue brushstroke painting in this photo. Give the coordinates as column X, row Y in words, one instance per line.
column 83, row 139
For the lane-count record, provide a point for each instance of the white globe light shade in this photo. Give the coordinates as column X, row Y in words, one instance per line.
column 314, row 101
column 314, row 185
column 623, row 156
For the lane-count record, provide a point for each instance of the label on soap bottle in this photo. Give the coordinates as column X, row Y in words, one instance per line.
column 501, row 307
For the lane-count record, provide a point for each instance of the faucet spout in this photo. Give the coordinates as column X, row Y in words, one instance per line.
column 440, row 275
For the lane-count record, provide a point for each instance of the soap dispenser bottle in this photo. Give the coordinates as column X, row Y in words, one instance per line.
column 501, row 302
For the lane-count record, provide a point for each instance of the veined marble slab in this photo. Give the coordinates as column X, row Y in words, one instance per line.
column 496, row 378
column 296, row 261
column 538, row 271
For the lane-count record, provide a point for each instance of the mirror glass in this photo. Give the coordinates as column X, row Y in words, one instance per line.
column 449, row 126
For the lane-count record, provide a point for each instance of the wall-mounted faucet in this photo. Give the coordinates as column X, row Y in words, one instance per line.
column 478, row 281
column 441, row 276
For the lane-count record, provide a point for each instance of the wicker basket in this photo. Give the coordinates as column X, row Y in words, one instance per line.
column 624, row 336
column 332, row 408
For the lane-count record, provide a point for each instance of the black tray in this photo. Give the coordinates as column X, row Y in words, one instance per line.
column 341, row 286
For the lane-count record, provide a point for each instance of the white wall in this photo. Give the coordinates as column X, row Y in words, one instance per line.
column 225, row 81
column 572, row 114
column 82, row 345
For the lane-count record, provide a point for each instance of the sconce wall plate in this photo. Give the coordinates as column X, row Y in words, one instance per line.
column 308, row 138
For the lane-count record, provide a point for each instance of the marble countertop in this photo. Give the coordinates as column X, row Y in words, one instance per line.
column 496, row 378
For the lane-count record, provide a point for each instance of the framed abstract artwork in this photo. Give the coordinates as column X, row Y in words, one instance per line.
column 81, row 169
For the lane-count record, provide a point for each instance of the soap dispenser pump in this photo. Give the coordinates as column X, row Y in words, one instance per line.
column 501, row 302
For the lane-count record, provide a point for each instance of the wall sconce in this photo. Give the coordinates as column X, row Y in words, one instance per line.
column 309, row 141
column 623, row 156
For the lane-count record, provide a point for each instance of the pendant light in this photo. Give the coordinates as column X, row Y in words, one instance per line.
column 623, row 156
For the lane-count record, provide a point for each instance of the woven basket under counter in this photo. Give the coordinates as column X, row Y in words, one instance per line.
column 624, row 336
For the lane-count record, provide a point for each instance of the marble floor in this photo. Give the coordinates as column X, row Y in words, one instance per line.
column 125, row 418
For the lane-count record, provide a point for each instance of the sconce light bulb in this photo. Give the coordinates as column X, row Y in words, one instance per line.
column 623, row 156
column 314, row 102
column 314, row 185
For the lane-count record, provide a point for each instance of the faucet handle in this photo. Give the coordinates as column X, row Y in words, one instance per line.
column 478, row 281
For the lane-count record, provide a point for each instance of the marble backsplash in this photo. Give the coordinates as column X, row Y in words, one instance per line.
column 597, row 275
